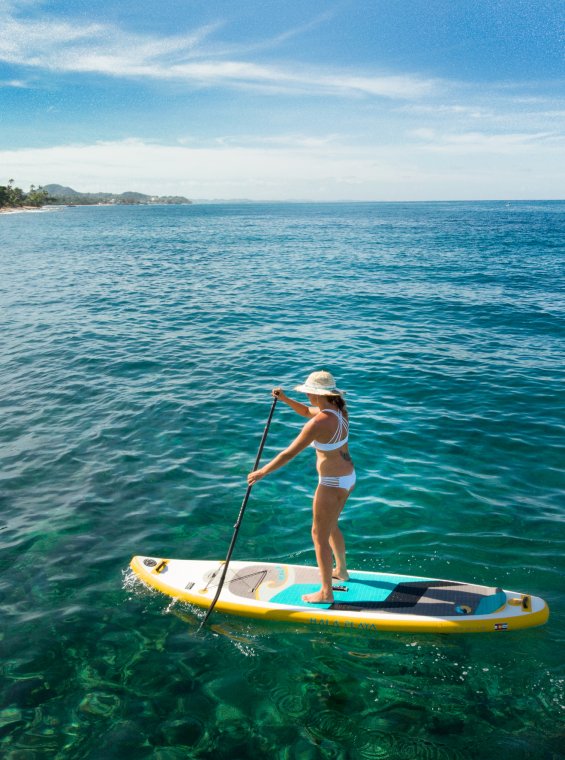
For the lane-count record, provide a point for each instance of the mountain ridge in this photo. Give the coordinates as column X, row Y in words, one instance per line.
column 70, row 196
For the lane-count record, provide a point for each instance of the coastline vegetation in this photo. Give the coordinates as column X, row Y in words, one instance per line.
column 14, row 197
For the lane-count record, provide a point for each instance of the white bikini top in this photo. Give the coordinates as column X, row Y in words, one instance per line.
column 336, row 442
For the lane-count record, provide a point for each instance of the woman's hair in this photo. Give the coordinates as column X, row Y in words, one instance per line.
column 338, row 400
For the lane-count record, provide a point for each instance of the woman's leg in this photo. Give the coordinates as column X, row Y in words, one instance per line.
column 337, row 544
column 328, row 503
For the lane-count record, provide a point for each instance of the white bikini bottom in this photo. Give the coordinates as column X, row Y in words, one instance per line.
column 343, row 481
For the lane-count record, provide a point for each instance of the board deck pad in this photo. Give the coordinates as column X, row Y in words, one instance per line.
column 394, row 593
column 382, row 601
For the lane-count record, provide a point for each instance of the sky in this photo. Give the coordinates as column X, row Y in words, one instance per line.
column 327, row 100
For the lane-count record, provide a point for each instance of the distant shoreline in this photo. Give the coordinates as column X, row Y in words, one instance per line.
column 203, row 202
column 22, row 209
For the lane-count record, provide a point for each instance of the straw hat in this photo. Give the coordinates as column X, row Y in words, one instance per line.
column 320, row 384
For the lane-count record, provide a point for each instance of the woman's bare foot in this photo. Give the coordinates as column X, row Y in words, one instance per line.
column 340, row 576
column 318, row 598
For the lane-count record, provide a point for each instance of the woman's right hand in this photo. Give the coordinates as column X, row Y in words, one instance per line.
column 278, row 393
column 254, row 476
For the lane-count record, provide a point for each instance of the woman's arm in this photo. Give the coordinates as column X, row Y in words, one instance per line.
column 304, row 439
column 296, row 406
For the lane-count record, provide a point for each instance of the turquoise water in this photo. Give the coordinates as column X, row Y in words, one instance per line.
column 138, row 349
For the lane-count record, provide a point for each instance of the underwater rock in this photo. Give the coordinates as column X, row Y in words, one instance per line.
column 27, row 692
column 98, row 703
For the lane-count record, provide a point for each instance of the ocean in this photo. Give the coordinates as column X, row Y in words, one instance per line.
column 138, row 349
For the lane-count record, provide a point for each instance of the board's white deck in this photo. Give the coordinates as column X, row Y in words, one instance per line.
column 196, row 581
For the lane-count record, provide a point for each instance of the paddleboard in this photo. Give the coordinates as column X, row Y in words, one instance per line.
column 367, row 601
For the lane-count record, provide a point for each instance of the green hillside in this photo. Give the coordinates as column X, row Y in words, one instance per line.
column 59, row 194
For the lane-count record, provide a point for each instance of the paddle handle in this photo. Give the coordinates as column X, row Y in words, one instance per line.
column 239, row 517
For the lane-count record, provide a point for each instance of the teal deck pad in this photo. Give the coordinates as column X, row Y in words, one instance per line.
column 359, row 589
column 490, row 604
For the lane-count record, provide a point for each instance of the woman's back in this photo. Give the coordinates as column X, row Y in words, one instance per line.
column 341, row 433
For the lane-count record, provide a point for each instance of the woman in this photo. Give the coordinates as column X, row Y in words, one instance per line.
column 327, row 430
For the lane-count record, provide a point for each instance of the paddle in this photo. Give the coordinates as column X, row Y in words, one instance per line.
column 239, row 519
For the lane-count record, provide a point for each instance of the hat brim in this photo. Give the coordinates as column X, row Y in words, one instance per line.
column 311, row 390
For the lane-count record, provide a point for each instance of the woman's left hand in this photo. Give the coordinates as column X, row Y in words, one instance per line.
column 254, row 476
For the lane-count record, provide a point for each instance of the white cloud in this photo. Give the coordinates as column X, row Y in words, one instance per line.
column 17, row 83
column 491, row 112
column 422, row 133
column 482, row 143
column 450, row 109
column 96, row 48
column 330, row 171
column 287, row 141
column 230, row 49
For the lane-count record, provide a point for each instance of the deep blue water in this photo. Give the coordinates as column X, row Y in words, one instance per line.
column 137, row 353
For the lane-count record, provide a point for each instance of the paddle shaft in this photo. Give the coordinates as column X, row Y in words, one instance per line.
column 239, row 518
